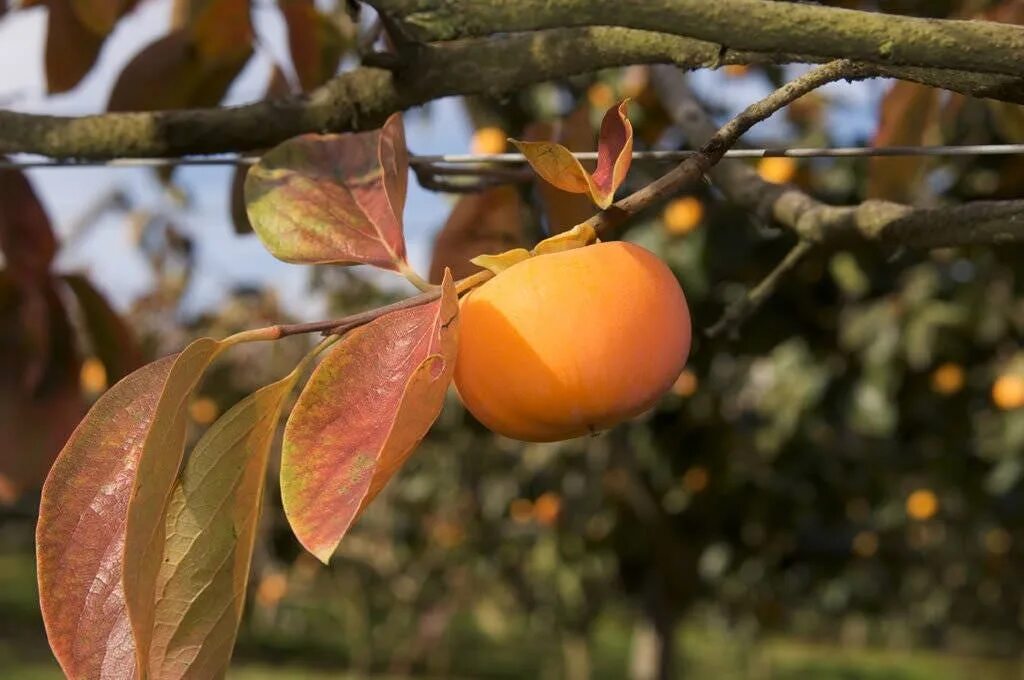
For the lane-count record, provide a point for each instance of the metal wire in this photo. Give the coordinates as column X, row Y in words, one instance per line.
column 516, row 158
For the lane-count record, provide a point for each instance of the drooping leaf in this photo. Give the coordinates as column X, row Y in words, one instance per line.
column 562, row 209
column 40, row 399
column 112, row 340
column 488, row 221
column 314, row 41
column 171, row 74
column 908, row 115
column 499, row 262
column 364, row 410
column 211, row 529
column 162, row 451
column 26, row 239
column 71, row 46
column 577, row 237
column 556, row 164
column 80, row 536
column 333, row 198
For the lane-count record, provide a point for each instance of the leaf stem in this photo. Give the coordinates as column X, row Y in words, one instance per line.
column 415, row 279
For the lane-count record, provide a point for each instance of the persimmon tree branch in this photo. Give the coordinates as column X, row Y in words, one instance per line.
column 759, row 25
column 361, row 99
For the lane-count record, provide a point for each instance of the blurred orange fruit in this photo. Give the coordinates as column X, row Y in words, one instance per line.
column 686, row 384
column 1008, row 392
column 521, row 510
column 865, row 543
column 777, row 169
column 489, row 140
column 922, row 504
column 601, row 96
column 696, row 479
column 948, row 378
column 547, row 508
column 93, row 376
column 683, row 215
column 573, row 342
column 736, row 70
column 204, row 410
column 272, row 589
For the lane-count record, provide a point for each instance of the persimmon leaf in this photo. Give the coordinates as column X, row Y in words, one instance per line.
column 333, row 198
column 162, row 453
column 563, row 210
column 501, row 261
column 211, row 528
column 365, row 408
column 556, row 164
column 100, row 15
column 908, row 113
column 26, row 238
column 80, row 535
column 72, row 45
column 112, row 339
column 314, row 41
column 488, row 221
column 577, row 237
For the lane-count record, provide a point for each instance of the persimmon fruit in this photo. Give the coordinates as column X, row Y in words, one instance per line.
column 573, row 342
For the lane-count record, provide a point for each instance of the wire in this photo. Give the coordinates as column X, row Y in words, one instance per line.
column 516, row 158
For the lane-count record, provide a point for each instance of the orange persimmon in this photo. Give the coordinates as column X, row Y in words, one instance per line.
column 573, row 342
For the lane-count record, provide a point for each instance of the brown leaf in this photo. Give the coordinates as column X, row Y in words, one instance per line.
column 221, row 31
column 100, row 15
column 908, row 114
column 170, row 74
column 315, row 43
column 26, row 239
column 321, row 199
column 40, row 401
column 71, row 46
column 364, row 410
column 488, row 221
column 112, row 340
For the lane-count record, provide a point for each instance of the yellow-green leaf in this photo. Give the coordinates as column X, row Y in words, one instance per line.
column 577, row 237
column 162, row 452
column 211, row 528
column 502, row 261
column 364, row 410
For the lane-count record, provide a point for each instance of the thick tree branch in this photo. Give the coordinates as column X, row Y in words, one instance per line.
column 758, row 25
column 362, row 99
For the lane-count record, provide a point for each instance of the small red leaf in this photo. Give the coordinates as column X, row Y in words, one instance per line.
column 364, row 410
column 81, row 531
column 333, row 198
column 556, row 164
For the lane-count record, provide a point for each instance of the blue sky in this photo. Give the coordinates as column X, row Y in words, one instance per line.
column 107, row 250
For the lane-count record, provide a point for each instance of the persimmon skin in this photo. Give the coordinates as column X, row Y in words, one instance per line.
column 571, row 343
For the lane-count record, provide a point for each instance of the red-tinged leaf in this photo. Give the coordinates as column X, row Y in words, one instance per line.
column 364, row 410
column 163, row 449
column 112, row 341
column 40, row 400
column 488, row 221
column 211, row 529
column 26, row 239
column 71, row 47
column 564, row 210
column 80, row 535
column 170, row 74
column 333, row 198
column 909, row 114
column 556, row 164
column 315, row 43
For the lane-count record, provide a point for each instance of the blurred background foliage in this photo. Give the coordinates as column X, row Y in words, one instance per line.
column 836, row 491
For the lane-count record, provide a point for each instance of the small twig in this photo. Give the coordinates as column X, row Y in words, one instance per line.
column 694, row 167
column 738, row 312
